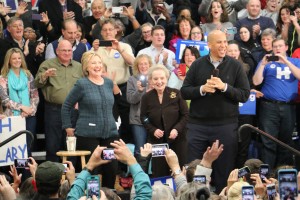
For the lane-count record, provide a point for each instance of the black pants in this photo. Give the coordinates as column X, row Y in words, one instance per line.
column 109, row 170
column 121, row 108
column 244, row 140
column 201, row 136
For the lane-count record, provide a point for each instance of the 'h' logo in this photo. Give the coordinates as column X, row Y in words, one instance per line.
column 286, row 73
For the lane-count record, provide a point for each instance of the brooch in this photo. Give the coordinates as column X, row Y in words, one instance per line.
column 173, row 95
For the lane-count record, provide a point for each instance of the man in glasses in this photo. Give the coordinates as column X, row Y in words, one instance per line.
column 56, row 77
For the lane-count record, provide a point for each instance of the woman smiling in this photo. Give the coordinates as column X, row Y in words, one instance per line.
column 164, row 114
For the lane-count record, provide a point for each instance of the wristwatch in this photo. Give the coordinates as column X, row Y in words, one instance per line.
column 86, row 169
column 176, row 172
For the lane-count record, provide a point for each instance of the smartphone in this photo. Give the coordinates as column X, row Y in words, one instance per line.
column 22, row 163
column 108, row 154
column 215, row 73
column 248, row 192
column 117, row 10
column 143, row 80
column 287, row 179
column 243, row 171
column 271, row 191
column 232, row 30
column 182, row 68
column 36, row 17
column 272, row 58
column 105, row 43
column 161, row 5
column 66, row 166
column 93, row 186
column 199, row 179
column 264, row 171
column 159, row 149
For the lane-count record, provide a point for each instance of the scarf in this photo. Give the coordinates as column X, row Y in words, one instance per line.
column 18, row 89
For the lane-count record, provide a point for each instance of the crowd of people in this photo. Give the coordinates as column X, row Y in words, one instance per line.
column 72, row 68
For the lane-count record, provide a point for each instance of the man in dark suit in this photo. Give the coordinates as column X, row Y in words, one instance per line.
column 58, row 11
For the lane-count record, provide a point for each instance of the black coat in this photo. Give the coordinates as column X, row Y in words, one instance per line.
column 55, row 15
column 33, row 61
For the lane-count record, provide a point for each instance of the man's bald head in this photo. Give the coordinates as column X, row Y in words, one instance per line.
column 217, row 44
column 215, row 34
column 64, row 51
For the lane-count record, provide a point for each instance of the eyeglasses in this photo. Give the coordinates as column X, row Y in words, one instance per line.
column 18, row 26
column 196, row 33
column 110, row 30
column 29, row 31
column 146, row 32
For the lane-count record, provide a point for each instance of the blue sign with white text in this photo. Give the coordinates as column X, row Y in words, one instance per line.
column 181, row 44
column 249, row 107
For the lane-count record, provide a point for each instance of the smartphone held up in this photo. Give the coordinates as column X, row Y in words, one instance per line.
column 93, row 186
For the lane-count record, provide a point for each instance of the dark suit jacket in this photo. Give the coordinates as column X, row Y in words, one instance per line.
column 55, row 15
column 33, row 61
column 171, row 114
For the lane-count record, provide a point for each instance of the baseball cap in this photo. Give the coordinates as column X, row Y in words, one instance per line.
column 49, row 173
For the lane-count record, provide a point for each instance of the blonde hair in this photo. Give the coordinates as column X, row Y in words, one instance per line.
column 6, row 64
column 86, row 57
column 156, row 68
column 135, row 67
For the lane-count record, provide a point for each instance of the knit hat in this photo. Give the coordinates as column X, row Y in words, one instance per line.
column 49, row 173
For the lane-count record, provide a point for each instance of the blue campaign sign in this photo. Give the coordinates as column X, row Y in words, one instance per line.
column 166, row 180
column 181, row 44
column 249, row 107
column 16, row 148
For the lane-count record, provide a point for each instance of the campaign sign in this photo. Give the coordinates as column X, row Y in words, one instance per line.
column 249, row 107
column 166, row 180
column 17, row 148
column 181, row 44
column 14, row 4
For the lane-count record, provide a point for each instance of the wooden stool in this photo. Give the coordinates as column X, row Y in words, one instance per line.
column 82, row 154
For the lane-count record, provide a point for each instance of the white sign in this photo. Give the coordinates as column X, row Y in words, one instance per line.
column 17, row 148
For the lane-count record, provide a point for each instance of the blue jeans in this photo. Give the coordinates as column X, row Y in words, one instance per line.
column 278, row 120
column 139, row 137
column 54, row 135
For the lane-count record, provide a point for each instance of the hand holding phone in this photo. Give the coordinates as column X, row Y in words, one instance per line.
column 182, row 68
column 243, row 171
column 108, row 154
column 271, row 191
column 117, row 10
column 105, row 43
column 199, row 179
column 66, row 166
column 248, row 192
column 143, row 80
column 287, row 179
column 36, row 17
column 272, row 58
column 264, row 171
column 93, row 186
column 22, row 163
column 159, row 149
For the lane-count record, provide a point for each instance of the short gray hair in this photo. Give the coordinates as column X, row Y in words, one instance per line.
column 269, row 31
